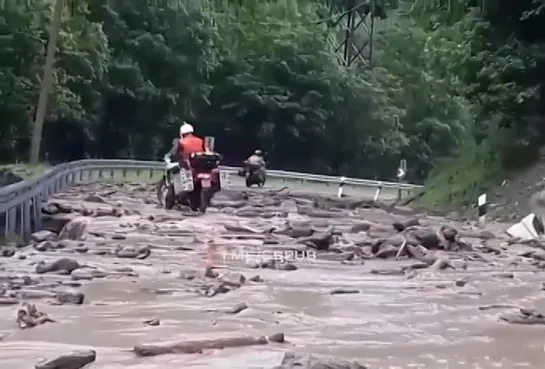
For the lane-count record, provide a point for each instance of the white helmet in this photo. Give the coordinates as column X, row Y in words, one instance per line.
column 186, row 128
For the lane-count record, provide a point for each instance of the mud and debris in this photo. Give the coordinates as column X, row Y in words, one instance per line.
column 370, row 284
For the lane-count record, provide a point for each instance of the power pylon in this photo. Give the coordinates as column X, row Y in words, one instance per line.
column 355, row 30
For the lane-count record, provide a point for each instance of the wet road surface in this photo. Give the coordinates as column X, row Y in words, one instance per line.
column 399, row 318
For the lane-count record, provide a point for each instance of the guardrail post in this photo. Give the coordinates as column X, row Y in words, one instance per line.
column 5, row 225
column 37, row 212
column 151, row 173
column 49, row 189
column 342, row 181
column 401, row 172
column 124, row 173
column 112, row 174
column 11, row 222
column 377, row 193
column 4, row 216
column 481, row 210
column 26, row 223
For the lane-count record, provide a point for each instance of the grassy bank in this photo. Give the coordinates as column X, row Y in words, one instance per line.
column 25, row 170
column 458, row 182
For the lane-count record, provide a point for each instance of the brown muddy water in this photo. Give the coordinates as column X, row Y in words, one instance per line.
column 421, row 318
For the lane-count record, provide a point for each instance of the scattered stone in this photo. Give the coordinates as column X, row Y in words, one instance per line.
column 233, row 279
column 70, row 297
column 95, row 199
column 43, row 236
column 66, row 265
column 74, row 229
column 497, row 306
column 344, row 291
column 525, row 317
column 5, row 301
column 74, row 360
column 130, row 252
column 237, row 308
column 7, row 253
column 152, row 322
column 293, row 361
column 44, row 246
column 193, row 347
column 277, row 337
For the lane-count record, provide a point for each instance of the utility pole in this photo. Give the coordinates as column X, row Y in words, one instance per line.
column 355, row 30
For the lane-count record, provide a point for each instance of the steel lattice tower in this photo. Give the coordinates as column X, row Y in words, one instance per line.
column 355, row 29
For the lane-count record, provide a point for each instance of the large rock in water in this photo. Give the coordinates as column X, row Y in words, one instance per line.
column 74, row 229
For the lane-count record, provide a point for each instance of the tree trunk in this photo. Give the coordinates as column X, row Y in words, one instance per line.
column 46, row 83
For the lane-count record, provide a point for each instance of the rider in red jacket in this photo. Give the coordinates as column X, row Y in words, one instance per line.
column 188, row 144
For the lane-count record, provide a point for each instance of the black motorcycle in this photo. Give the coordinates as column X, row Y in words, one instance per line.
column 194, row 187
column 254, row 174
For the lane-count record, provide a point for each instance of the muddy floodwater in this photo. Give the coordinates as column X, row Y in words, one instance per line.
column 322, row 271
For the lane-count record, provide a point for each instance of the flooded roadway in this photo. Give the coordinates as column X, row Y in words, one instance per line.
column 425, row 318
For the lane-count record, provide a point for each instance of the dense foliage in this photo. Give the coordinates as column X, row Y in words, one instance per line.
column 462, row 82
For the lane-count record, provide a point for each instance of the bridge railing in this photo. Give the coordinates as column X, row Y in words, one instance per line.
column 20, row 203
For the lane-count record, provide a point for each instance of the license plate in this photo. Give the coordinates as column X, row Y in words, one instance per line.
column 205, row 183
column 178, row 183
column 186, row 181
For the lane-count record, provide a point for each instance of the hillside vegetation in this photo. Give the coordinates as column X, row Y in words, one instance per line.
column 455, row 88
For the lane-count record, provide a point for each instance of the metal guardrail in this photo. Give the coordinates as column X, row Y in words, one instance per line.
column 20, row 203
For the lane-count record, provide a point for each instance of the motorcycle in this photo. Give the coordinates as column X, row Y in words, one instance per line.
column 254, row 175
column 195, row 187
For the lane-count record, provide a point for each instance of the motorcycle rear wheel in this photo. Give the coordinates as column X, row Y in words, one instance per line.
column 205, row 197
